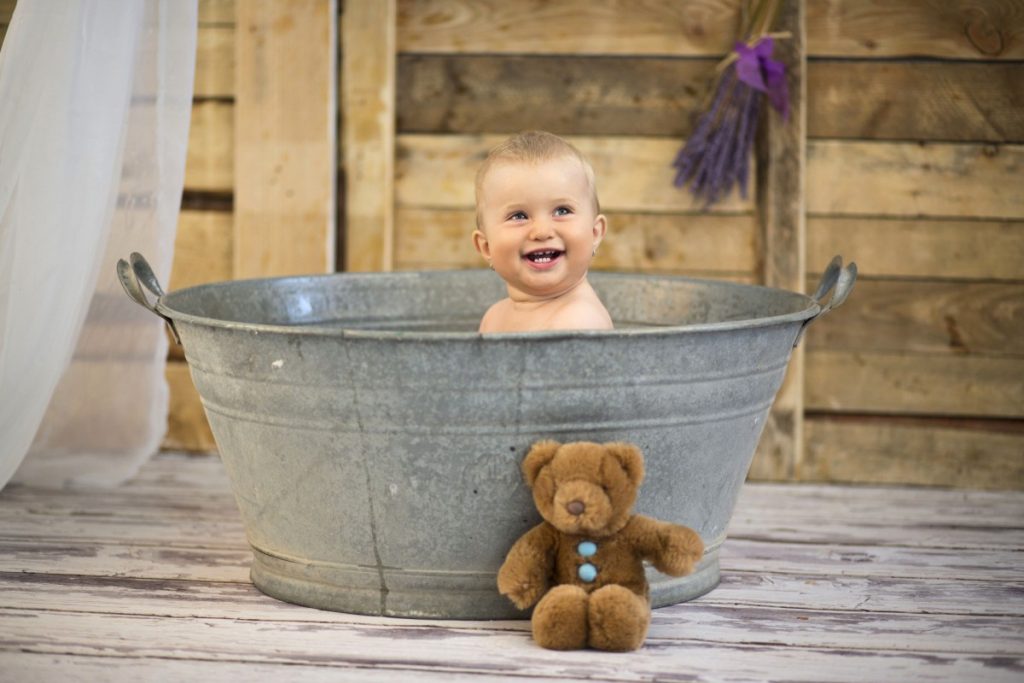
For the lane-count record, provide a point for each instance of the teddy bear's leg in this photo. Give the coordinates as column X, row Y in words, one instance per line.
column 618, row 619
column 560, row 619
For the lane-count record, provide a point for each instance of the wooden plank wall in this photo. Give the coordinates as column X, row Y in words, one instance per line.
column 276, row 215
column 618, row 80
column 205, row 244
column 913, row 168
column 914, row 119
column 916, row 169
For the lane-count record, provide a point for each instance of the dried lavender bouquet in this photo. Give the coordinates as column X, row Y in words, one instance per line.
column 716, row 156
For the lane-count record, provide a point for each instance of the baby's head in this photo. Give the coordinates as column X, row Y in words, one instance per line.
column 537, row 214
column 532, row 147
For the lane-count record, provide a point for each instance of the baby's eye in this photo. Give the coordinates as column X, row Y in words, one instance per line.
column 563, row 211
column 517, row 216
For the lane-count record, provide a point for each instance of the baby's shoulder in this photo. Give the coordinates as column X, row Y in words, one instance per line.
column 495, row 317
column 584, row 313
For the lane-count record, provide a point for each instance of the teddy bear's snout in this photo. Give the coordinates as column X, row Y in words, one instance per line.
column 580, row 506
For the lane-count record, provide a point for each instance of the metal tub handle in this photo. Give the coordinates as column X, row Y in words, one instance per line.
column 839, row 281
column 134, row 277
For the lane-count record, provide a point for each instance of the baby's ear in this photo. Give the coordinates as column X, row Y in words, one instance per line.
column 600, row 228
column 631, row 459
column 540, row 455
column 481, row 244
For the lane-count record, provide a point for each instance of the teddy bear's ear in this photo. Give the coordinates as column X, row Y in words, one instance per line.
column 631, row 459
column 540, row 454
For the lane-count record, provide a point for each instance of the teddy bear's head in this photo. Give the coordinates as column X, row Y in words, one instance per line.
column 584, row 488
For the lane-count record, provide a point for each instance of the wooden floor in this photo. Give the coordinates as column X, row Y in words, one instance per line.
column 150, row 582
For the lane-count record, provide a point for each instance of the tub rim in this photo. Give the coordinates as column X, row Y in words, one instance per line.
column 812, row 310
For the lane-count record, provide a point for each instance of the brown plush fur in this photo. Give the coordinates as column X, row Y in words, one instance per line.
column 613, row 611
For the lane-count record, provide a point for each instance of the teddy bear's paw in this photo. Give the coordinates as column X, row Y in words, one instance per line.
column 523, row 596
column 520, row 587
column 560, row 619
column 681, row 551
column 618, row 619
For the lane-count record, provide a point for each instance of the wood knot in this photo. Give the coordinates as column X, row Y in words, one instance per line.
column 956, row 340
column 983, row 34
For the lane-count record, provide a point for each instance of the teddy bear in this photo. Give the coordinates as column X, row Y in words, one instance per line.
column 584, row 562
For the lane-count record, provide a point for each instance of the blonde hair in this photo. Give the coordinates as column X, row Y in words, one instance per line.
column 530, row 147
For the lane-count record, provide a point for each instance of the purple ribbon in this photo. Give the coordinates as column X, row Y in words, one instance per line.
column 756, row 68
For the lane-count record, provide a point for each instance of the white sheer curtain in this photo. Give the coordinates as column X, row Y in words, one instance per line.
column 95, row 99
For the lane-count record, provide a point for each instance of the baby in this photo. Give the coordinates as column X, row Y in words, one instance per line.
column 538, row 226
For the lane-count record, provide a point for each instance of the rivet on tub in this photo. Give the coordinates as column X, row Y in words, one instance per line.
column 279, row 363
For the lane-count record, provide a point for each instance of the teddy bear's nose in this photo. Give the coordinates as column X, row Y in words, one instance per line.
column 575, row 507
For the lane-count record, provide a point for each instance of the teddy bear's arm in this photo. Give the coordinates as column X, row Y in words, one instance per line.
column 525, row 575
column 672, row 548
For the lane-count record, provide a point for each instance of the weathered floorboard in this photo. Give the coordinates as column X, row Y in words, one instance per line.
column 156, row 597
column 818, row 583
column 717, row 619
column 986, row 517
column 448, row 648
column 28, row 666
column 738, row 554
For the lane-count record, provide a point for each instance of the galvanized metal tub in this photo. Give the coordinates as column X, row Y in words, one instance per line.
column 373, row 438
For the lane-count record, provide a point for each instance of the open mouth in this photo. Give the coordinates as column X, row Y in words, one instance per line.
column 543, row 257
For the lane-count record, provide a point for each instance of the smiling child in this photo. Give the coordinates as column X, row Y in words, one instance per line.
column 538, row 226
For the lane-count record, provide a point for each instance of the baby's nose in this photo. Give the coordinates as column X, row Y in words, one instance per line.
column 575, row 507
column 541, row 231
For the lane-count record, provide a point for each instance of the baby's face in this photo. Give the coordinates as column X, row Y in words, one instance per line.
column 539, row 225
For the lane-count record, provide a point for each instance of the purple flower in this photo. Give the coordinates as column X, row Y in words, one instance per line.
column 716, row 155
column 756, row 68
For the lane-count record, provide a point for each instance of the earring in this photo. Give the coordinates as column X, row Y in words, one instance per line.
column 594, row 252
column 490, row 264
